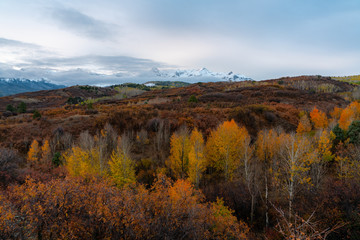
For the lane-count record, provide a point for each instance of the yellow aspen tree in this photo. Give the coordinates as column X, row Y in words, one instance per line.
column 197, row 161
column 34, row 153
column 323, row 144
column 223, row 148
column 267, row 148
column 81, row 162
column 247, row 152
column 319, row 119
column 179, row 153
column 304, row 125
column 121, row 168
column 296, row 159
column 45, row 152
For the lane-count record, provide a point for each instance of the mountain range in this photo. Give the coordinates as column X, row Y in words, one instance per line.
column 10, row 86
column 199, row 73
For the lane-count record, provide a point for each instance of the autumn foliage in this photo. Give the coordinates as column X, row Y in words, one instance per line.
column 74, row 209
column 318, row 118
column 249, row 160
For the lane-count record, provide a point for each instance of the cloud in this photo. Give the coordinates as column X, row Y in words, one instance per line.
column 83, row 25
column 4, row 42
column 25, row 60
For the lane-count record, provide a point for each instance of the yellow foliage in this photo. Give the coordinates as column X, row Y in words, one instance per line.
column 179, row 153
column 81, row 162
column 121, row 168
column 267, row 145
column 34, row 153
column 45, row 152
column 224, row 148
column 197, row 161
column 324, row 146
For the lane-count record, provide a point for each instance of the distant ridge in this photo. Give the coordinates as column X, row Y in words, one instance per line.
column 10, row 86
column 200, row 73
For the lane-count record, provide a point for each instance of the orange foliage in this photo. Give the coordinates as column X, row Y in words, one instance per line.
column 319, row 118
column 349, row 114
column 92, row 209
column 304, row 125
column 336, row 113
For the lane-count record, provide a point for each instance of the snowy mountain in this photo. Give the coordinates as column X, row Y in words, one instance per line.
column 9, row 86
column 200, row 73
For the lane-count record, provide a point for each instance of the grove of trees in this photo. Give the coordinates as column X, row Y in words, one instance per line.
column 162, row 183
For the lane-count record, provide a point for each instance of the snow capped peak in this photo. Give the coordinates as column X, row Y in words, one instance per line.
column 200, row 73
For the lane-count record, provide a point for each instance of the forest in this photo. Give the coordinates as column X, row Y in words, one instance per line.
column 276, row 159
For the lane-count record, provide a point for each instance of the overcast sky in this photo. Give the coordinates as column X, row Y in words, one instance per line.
column 261, row 39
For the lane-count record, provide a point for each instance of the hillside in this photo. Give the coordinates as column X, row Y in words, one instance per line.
column 256, row 105
column 199, row 155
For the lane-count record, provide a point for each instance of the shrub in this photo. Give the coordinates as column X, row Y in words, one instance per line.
column 193, row 99
column 10, row 108
column 22, row 107
column 36, row 114
column 56, row 160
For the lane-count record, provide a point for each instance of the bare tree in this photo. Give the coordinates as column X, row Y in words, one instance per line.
column 302, row 229
column 162, row 140
column 86, row 141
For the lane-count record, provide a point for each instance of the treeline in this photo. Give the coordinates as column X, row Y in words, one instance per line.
column 152, row 184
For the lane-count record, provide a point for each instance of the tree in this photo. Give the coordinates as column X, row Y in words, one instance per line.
column 247, row 152
column 197, row 161
column 179, row 152
column 34, row 153
column 10, row 163
column 56, row 160
column 323, row 144
column 193, row 99
column 224, row 148
column 354, row 132
column 304, row 124
column 319, row 119
column 22, row 107
column 45, row 152
column 340, row 135
column 105, row 143
column 346, row 117
column 296, row 158
column 225, row 223
column 81, row 162
column 349, row 114
column 267, row 149
column 121, row 168
column 336, row 113
column 10, row 108
column 36, row 114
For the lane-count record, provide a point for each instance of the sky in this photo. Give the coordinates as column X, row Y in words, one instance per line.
column 87, row 42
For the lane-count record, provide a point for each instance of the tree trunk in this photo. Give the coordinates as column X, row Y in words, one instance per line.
column 252, row 208
column 266, row 202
